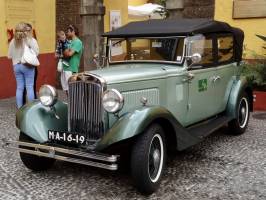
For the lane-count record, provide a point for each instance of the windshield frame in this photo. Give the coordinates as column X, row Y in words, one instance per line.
column 179, row 63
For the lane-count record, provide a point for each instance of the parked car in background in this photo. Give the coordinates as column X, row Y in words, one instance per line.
column 167, row 85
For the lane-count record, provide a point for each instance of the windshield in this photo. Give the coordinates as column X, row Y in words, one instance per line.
column 146, row 49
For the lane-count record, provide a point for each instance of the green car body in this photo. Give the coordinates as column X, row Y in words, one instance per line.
column 162, row 86
column 161, row 89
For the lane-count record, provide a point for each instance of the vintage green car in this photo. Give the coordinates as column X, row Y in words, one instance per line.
column 165, row 85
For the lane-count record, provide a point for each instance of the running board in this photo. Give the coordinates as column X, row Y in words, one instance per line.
column 206, row 128
column 81, row 157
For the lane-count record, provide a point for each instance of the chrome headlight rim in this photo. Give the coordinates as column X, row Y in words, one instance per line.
column 120, row 100
column 54, row 95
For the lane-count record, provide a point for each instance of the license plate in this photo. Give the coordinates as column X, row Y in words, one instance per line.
column 66, row 137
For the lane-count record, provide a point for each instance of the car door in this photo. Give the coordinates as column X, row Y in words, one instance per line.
column 177, row 89
column 226, row 69
column 201, row 88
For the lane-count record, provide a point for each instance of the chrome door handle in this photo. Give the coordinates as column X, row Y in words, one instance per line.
column 216, row 78
column 190, row 76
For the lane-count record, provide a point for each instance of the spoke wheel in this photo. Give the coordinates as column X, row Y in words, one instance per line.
column 155, row 157
column 238, row 126
column 148, row 158
column 243, row 112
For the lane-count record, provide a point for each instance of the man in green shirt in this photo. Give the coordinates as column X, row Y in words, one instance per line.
column 74, row 53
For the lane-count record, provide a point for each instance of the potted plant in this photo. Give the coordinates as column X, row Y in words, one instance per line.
column 255, row 71
column 256, row 75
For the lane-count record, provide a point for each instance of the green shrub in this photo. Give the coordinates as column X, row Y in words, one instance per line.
column 256, row 74
column 263, row 38
column 256, row 70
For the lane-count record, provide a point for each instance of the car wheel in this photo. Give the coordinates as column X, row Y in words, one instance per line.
column 35, row 163
column 239, row 125
column 148, row 159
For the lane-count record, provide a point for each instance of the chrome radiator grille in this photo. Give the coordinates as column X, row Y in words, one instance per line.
column 85, row 110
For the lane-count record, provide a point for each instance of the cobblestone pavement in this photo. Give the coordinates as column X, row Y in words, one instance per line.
column 221, row 167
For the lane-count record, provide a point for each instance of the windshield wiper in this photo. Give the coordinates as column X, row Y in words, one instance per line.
column 113, row 44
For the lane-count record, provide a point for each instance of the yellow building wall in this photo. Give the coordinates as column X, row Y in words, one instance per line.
column 122, row 6
column 136, row 2
column 251, row 27
column 45, row 24
column 40, row 13
column 3, row 44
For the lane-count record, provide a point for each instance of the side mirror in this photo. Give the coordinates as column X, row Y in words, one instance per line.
column 98, row 62
column 96, row 56
column 196, row 58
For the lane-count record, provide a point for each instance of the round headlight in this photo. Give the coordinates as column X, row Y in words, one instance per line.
column 113, row 101
column 48, row 95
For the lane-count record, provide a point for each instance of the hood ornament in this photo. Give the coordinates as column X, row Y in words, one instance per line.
column 144, row 101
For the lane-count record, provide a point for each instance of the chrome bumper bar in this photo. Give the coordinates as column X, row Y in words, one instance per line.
column 81, row 157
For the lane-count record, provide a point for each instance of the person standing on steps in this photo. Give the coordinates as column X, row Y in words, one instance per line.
column 74, row 53
column 32, row 42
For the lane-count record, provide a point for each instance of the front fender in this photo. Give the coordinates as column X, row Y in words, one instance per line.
column 240, row 85
column 35, row 120
column 135, row 122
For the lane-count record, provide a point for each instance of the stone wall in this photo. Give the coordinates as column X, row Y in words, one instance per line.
column 92, row 13
column 87, row 15
column 198, row 9
column 175, row 8
column 67, row 12
column 190, row 8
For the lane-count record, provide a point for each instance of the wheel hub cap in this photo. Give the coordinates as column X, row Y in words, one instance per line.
column 243, row 113
column 156, row 157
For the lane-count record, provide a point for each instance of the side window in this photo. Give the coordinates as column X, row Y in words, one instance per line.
column 225, row 48
column 179, row 50
column 204, row 45
column 213, row 49
column 207, row 55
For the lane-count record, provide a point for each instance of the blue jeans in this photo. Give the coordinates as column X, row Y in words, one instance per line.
column 25, row 79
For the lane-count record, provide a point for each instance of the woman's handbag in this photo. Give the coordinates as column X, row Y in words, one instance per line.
column 60, row 65
column 29, row 57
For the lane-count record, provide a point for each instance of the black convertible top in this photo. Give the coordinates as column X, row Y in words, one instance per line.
column 170, row 27
column 178, row 27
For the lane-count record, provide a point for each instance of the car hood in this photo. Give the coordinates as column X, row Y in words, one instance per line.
column 134, row 72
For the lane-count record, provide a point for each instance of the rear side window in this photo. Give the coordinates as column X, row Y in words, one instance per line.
column 225, row 48
column 204, row 46
column 207, row 56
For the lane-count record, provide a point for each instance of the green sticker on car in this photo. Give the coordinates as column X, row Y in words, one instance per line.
column 203, row 85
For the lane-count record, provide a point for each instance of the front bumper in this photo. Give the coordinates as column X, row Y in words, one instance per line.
column 75, row 156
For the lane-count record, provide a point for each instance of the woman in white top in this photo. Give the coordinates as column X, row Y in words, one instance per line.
column 29, row 32
column 24, row 74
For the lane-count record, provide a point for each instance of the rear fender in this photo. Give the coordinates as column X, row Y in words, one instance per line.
column 35, row 120
column 239, row 87
column 134, row 123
